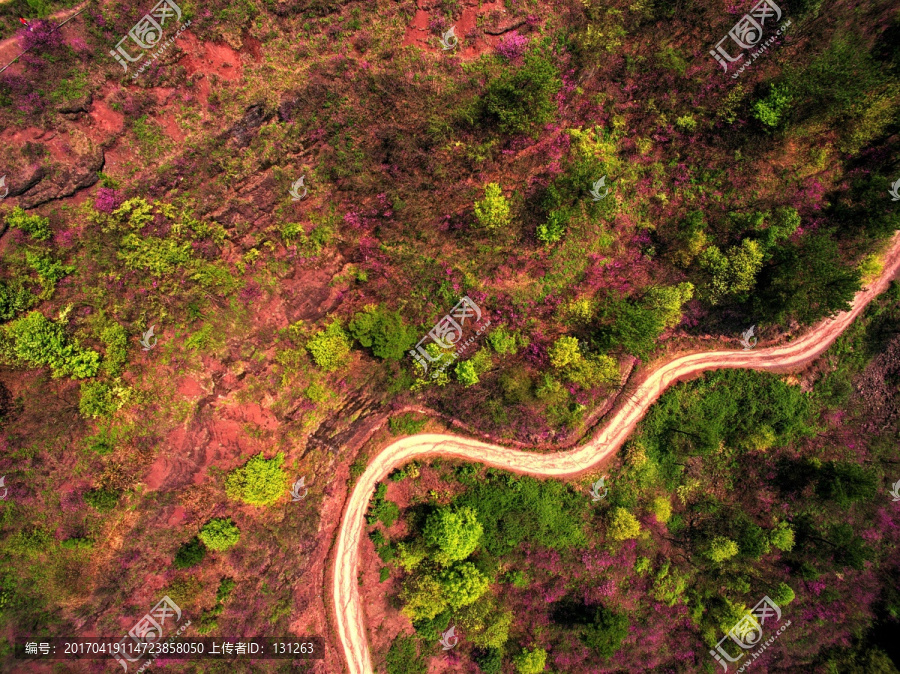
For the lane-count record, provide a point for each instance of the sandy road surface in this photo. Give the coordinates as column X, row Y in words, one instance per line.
column 349, row 615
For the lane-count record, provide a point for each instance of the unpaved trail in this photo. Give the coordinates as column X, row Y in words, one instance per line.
column 349, row 615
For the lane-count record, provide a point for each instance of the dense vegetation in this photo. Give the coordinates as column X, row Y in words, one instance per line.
column 581, row 170
column 737, row 485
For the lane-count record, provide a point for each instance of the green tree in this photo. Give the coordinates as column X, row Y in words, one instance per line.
column 258, row 482
column 219, row 534
column 39, row 341
column 35, row 226
column 189, row 554
column 770, row 110
column 385, row 332
column 721, row 548
column 453, row 533
column 531, row 661
column 623, row 525
column 606, row 633
column 661, row 507
column 492, row 212
column 807, row 281
column 522, row 99
column 102, row 500
column 423, row 597
column 463, row 584
column 330, row 347
column 782, row 595
column 782, row 537
column 734, row 273
column 666, row 302
column 563, row 352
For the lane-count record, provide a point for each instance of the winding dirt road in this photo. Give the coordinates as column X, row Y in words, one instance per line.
column 350, row 618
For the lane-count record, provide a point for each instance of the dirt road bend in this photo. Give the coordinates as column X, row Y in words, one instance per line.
column 349, row 615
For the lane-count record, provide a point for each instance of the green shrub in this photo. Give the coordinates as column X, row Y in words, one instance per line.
column 465, row 373
column 39, row 341
column 102, row 500
column 189, row 554
column 422, row 598
column 330, row 347
column 522, row 99
column 531, row 662
column 14, row 299
column 259, row 482
column 219, row 534
column 382, row 510
column 35, row 226
column 116, row 339
column 49, row 271
column 403, row 657
column 408, row 423
column 502, row 341
column 385, row 332
column 492, row 212
column 97, row 400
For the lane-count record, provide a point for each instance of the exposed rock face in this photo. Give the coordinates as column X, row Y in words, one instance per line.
column 244, row 131
column 63, row 181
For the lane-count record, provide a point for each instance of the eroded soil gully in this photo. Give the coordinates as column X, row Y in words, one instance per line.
column 349, row 615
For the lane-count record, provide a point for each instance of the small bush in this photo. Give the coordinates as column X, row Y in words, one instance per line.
column 190, row 554
column 407, row 424
column 14, row 299
column 116, row 340
column 219, row 534
column 330, row 347
column 403, row 657
column 492, row 212
column 259, row 482
column 35, row 226
column 39, row 341
column 522, row 99
column 97, row 400
column 102, row 500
